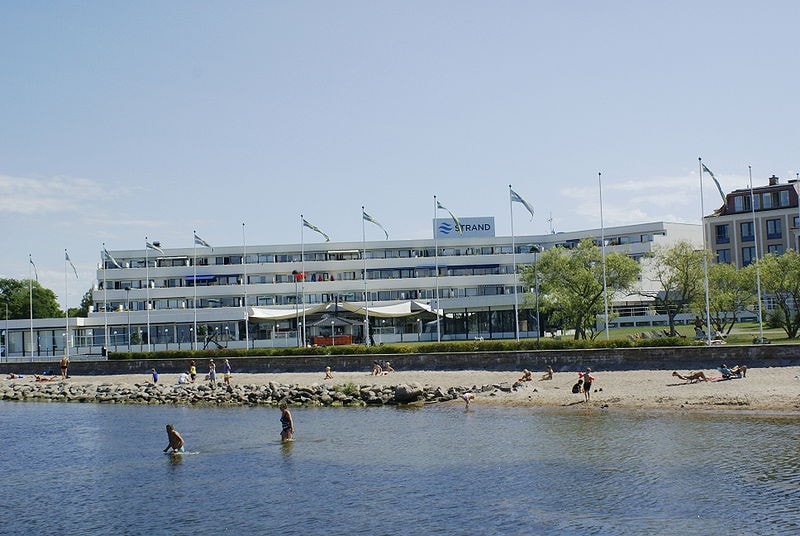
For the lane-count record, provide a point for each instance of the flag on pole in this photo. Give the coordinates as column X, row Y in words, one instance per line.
column 200, row 242
column 35, row 271
column 154, row 247
column 516, row 198
column 719, row 188
column 66, row 258
column 459, row 227
column 370, row 219
column 316, row 229
column 107, row 256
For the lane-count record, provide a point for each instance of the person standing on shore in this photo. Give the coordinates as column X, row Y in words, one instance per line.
column 175, row 440
column 587, row 383
column 467, row 398
column 64, row 363
column 287, row 423
column 226, row 372
column 212, row 373
column 154, row 372
column 192, row 371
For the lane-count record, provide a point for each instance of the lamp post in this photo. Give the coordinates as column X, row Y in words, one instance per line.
column 128, row 308
column 383, row 325
column 115, row 340
column 227, row 336
column 166, row 338
column 419, row 330
column 333, row 335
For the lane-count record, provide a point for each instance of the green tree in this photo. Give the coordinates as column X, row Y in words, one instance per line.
column 780, row 277
column 86, row 303
column 571, row 284
column 16, row 294
column 730, row 291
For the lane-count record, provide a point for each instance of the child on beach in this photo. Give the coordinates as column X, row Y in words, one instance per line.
column 328, row 375
column 192, row 371
column 587, row 383
column 547, row 375
column 154, row 374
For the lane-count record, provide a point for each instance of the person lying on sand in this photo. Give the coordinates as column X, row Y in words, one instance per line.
column 12, row 376
column 692, row 377
column 39, row 378
column 739, row 371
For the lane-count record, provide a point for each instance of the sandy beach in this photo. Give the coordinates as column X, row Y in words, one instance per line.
column 775, row 389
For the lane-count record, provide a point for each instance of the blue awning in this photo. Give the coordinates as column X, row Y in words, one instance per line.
column 200, row 278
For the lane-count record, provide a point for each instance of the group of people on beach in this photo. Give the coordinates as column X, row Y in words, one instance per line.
column 726, row 373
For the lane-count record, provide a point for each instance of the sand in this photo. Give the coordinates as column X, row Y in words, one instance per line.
column 774, row 389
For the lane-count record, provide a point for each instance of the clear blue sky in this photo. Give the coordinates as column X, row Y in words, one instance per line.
column 122, row 120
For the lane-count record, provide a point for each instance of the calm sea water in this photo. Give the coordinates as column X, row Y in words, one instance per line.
column 99, row 469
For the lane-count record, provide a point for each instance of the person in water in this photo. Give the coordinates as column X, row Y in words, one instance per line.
column 287, row 424
column 175, row 440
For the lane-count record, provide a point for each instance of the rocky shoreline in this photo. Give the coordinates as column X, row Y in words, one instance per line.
column 270, row 394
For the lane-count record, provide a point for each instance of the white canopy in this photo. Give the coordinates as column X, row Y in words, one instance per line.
column 386, row 310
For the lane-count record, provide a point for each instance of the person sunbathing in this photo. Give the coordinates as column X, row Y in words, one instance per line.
column 547, row 375
column 39, row 378
column 692, row 377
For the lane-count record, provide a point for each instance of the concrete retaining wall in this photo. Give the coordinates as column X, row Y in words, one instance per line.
column 665, row 358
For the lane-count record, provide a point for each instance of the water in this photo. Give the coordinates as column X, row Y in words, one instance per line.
column 99, row 469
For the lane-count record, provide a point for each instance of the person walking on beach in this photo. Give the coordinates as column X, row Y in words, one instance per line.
column 212, row 373
column 192, row 371
column 587, row 383
column 287, row 424
column 155, row 375
column 64, row 363
column 175, row 440
column 226, row 372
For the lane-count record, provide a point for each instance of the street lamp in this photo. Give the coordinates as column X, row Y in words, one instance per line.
column 166, row 338
column 115, row 340
column 383, row 325
column 128, row 307
column 227, row 337
column 419, row 330
column 333, row 335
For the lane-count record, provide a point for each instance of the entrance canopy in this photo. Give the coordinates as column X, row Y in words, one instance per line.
column 386, row 310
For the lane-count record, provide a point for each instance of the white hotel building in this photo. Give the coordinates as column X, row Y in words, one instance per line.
column 256, row 296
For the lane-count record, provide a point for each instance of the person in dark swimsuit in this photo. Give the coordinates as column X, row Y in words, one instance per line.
column 287, row 424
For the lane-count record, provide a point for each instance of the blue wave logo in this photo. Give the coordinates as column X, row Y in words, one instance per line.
column 445, row 228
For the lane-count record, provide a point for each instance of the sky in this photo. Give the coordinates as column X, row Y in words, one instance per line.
column 124, row 120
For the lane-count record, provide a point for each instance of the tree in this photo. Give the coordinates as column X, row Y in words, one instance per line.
column 780, row 277
column 86, row 303
column 678, row 273
column 16, row 294
column 730, row 290
column 571, row 284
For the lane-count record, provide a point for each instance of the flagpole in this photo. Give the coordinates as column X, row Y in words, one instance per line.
column 244, row 265
column 603, row 252
column 302, row 332
column 705, row 256
column 194, row 284
column 758, row 275
column 147, row 289
column 30, row 297
column 514, row 263
column 366, row 291
column 105, row 301
column 436, row 275
column 66, row 307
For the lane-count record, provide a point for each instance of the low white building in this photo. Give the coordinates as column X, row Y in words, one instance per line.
column 452, row 286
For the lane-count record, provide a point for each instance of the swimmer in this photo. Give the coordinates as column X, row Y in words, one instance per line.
column 287, row 423
column 175, row 440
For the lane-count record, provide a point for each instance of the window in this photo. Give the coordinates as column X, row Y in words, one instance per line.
column 746, row 230
column 722, row 233
column 748, row 255
column 773, row 229
column 784, row 195
column 723, row 255
column 741, row 203
column 777, row 249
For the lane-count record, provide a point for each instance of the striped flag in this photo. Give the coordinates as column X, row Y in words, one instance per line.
column 200, row 242
column 719, row 188
column 107, row 256
column 370, row 219
column 35, row 271
column 459, row 227
column 315, row 229
column 154, row 247
column 66, row 258
column 516, row 198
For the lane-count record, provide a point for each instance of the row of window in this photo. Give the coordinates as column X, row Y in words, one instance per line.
column 746, row 231
column 762, row 201
column 748, row 253
column 291, row 299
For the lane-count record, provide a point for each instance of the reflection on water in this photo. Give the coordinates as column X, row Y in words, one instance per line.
column 386, row 470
